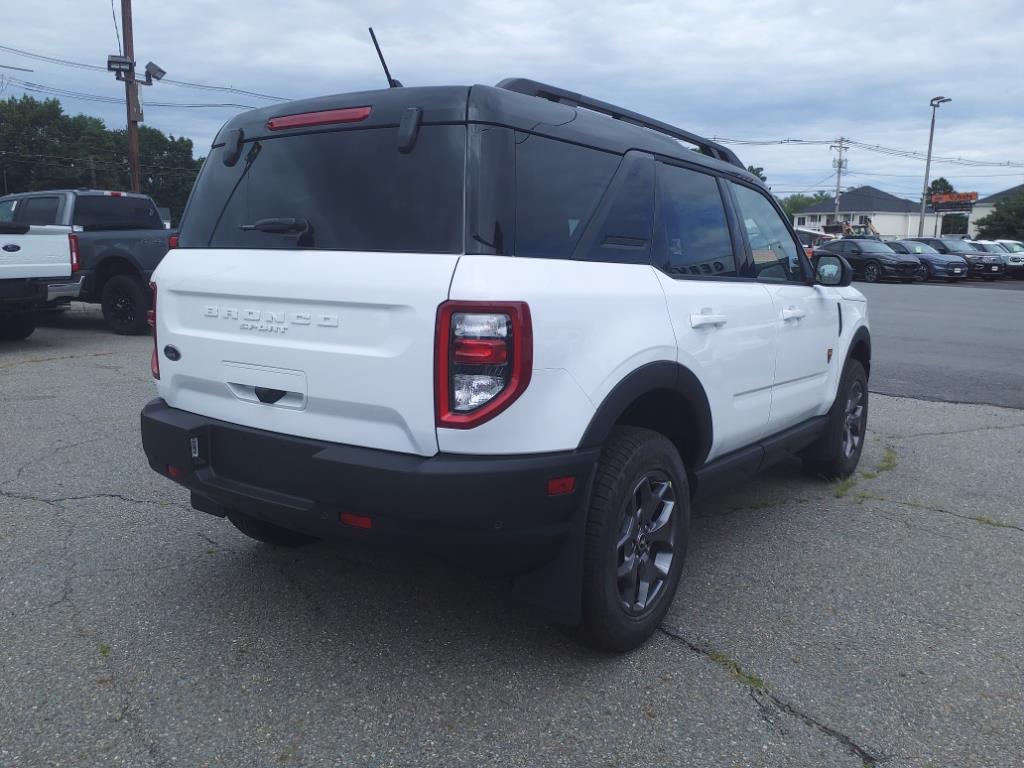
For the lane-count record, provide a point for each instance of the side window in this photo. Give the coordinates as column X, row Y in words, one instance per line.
column 7, row 211
column 693, row 237
column 775, row 254
column 621, row 231
column 558, row 188
column 37, row 210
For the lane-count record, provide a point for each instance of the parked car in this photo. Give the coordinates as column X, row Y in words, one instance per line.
column 119, row 237
column 38, row 264
column 810, row 239
column 936, row 265
column 482, row 336
column 991, row 246
column 1014, row 258
column 873, row 260
column 984, row 265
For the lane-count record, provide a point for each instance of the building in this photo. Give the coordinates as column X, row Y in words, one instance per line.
column 892, row 216
column 986, row 205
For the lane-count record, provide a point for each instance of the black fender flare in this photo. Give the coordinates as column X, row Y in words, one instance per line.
column 660, row 375
column 862, row 334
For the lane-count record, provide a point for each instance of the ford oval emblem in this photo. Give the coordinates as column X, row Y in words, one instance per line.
column 172, row 353
column 12, row 248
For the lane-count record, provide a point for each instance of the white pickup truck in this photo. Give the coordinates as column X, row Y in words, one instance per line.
column 38, row 263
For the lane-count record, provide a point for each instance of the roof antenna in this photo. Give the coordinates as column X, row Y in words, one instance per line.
column 392, row 83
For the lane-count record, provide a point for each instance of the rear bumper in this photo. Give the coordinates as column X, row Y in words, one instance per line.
column 68, row 289
column 307, row 485
column 22, row 295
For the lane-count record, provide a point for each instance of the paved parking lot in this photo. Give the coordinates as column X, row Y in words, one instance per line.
column 872, row 622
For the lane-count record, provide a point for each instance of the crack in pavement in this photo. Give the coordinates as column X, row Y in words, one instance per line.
column 982, row 519
column 9, row 366
column 766, row 700
column 998, row 427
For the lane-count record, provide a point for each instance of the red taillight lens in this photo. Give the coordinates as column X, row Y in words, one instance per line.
column 154, row 360
column 172, row 242
column 326, row 117
column 483, row 360
column 73, row 247
column 356, row 521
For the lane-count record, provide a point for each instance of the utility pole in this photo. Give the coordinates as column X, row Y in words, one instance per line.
column 839, row 164
column 131, row 96
column 934, row 103
column 92, row 170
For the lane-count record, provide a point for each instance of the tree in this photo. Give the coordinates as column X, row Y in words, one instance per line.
column 798, row 202
column 43, row 148
column 940, row 187
column 758, row 171
column 1006, row 220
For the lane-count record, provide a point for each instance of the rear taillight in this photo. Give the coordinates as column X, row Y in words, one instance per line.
column 154, row 359
column 172, row 242
column 483, row 360
column 73, row 248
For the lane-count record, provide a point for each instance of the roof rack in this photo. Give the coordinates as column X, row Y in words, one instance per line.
column 562, row 96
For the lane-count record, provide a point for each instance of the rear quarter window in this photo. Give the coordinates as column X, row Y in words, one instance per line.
column 121, row 212
column 354, row 188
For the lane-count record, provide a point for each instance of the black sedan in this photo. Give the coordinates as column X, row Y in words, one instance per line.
column 936, row 265
column 873, row 260
column 987, row 266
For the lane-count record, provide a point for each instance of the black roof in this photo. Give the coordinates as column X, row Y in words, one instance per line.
column 499, row 106
column 1011, row 192
column 865, row 200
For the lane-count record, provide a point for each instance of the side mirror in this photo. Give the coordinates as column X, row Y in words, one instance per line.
column 833, row 271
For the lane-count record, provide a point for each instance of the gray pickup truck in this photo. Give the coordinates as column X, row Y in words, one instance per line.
column 118, row 238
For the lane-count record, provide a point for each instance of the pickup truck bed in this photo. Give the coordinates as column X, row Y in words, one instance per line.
column 36, row 266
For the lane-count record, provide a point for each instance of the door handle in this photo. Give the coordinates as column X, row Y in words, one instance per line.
column 792, row 313
column 706, row 318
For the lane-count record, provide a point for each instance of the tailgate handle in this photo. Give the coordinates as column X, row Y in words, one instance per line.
column 267, row 395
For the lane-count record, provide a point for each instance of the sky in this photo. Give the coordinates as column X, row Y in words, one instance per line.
column 765, row 71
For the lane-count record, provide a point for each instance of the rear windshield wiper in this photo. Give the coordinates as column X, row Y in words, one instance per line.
column 279, row 225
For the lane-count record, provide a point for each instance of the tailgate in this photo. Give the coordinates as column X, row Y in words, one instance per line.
column 41, row 251
column 330, row 345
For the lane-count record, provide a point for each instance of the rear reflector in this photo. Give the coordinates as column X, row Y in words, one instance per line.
column 559, row 486
column 326, row 117
column 356, row 521
column 175, row 473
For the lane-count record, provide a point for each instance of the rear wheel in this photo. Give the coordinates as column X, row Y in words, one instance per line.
column 928, row 274
column 836, row 454
column 268, row 533
column 17, row 327
column 125, row 301
column 872, row 272
column 637, row 530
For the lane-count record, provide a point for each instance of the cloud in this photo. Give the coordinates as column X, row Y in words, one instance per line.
column 736, row 69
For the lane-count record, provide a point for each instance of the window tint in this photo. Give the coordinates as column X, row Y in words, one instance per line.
column 354, row 188
column 623, row 227
column 109, row 212
column 558, row 188
column 7, row 210
column 774, row 251
column 37, row 210
column 694, row 233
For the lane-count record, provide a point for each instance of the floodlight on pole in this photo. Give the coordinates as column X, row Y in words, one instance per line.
column 934, row 104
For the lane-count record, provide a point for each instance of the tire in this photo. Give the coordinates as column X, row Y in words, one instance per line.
column 17, row 327
column 640, row 482
column 125, row 301
column 928, row 274
column 872, row 272
column 268, row 533
column 836, row 454
column 988, row 278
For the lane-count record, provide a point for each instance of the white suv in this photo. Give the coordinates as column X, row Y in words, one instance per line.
column 494, row 320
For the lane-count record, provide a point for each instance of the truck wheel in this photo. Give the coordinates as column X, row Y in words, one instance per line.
column 125, row 301
column 17, row 327
column 637, row 529
column 268, row 533
column 836, row 454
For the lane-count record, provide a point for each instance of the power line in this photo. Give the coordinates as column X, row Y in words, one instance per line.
column 117, row 32
column 48, row 89
column 180, row 83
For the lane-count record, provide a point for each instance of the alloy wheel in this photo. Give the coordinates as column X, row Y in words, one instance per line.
column 646, row 543
column 853, row 424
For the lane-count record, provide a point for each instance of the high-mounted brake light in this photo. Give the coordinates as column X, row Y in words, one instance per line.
column 172, row 242
column 154, row 359
column 325, row 117
column 73, row 248
column 483, row 360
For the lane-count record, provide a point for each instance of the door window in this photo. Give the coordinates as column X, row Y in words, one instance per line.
column 38, row 210
column 693, row 237
column 774, row 251
column 7, row 211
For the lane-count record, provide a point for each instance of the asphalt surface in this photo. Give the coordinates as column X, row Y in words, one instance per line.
column 961, row 342
column 876, row 622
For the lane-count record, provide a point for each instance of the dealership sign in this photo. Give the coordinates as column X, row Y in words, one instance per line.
column 953, row 201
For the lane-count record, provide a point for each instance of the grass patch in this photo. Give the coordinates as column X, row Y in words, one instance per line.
column 888, row 461
column 869, row 475
column 736, row 670
column 843, row 487
column 104, row 650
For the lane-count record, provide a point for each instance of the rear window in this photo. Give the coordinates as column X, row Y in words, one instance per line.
column 353, row 188
column 110, row 212
column 37, row 210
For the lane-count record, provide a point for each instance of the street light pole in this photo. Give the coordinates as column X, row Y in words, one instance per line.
column 928, row 163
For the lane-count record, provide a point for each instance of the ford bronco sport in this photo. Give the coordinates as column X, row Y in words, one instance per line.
column 511, row 317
